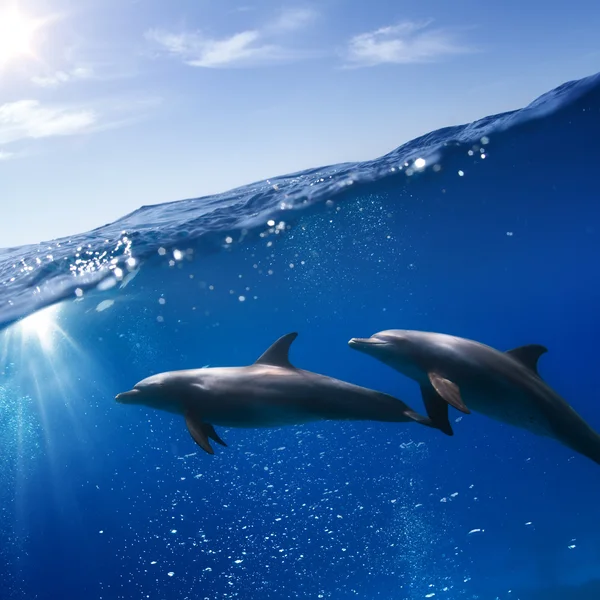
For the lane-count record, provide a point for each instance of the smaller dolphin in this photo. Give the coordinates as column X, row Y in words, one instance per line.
column 269, row 393
column 467, row 375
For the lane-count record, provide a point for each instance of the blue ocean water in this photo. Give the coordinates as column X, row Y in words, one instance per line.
column 489, row 231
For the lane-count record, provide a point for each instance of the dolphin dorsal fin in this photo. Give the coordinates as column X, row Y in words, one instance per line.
column 528, row 355
column 277, row 354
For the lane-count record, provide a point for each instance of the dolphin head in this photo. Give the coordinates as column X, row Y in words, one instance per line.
column 163, row 391
column 403, row 350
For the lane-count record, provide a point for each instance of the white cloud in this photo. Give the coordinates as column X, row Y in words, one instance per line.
column 292, row 20
column 29, row 119
column 405, row 43
column 249, row 48
column 60, row 77
column 241, row 49
column 5, row 155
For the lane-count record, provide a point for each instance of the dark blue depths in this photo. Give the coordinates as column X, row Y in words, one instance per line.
column 99, row 500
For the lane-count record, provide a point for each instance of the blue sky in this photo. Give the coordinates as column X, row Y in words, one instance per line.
column 106, row 105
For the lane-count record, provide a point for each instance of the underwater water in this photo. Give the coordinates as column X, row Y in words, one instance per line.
column 489, row 231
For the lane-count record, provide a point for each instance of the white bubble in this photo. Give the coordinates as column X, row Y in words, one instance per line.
column 420, row 163
column 461, row 173
column 177, row 254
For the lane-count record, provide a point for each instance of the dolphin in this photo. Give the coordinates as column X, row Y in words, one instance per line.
column 465, row 374
column 269, row 393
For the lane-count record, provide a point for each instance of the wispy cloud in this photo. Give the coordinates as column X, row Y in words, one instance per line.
column 292, row 20
column 249, row 48
column 29, row 119
column 62, row 77
column 241, row 49
column 405, row 43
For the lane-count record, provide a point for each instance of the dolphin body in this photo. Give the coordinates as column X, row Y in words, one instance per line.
column 269, row 393
column 465, row 374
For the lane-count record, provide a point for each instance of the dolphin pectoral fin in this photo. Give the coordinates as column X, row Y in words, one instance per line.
column 528, row 355
column 198, row 432
column 448, row 391
column 437, row 409
column 212, row 434
column 277, row 354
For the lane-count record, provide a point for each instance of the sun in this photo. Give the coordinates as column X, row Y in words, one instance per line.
column 17, row 32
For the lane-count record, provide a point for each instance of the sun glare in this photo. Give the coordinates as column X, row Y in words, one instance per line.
column 16, row 34
column 41, row 325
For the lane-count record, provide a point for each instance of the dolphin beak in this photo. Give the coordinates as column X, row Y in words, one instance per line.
column 359, row 343
column 123, row 397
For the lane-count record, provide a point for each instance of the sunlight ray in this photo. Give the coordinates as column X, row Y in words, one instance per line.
column 36, row 346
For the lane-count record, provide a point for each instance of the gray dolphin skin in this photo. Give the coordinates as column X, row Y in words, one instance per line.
column 269, row 393
column 468, row 375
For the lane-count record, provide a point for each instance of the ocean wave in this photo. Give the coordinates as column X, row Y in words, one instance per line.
column 35, row 276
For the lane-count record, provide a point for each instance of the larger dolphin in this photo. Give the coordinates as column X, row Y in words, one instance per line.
column 468, row 375
column 269, row 393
